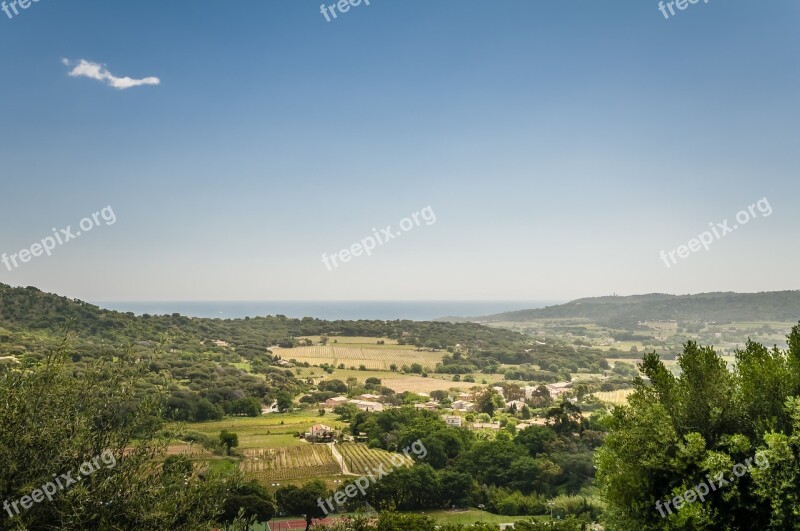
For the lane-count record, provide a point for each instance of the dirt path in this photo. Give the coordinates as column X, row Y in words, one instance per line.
column 340, row 460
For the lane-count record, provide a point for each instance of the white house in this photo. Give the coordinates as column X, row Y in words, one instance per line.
column 364, row 405
column 461, row 405
column 453, row 420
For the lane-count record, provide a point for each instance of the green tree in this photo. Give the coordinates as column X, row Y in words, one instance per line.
column 250, row 500
column 676, row 432
column 229, row 440
column 56, row 418
column 303, row 501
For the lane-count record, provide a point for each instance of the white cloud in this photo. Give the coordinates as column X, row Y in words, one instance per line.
column 96, row 71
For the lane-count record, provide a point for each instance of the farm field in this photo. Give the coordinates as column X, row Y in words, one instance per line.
column 617, row 398
column 360, row 341
column 305, row 461
column 361, row 459
column 355, row 356
column 265, row 431
column 400, row 382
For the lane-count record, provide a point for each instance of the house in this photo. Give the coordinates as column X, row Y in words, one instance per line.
column 364, row 405
column 453, row 420
column 558, row 389
column 430, row 406
column 369, row 398
column 499, row 390
column 320, row 433
column 461, row 405
column 467, row 397
column 335, row 401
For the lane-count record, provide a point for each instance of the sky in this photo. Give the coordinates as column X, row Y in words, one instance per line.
column 560, row 146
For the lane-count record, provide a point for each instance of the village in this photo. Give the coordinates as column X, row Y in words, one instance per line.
column 458, row 409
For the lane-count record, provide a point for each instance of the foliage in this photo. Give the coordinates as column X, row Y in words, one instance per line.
column 678, row 431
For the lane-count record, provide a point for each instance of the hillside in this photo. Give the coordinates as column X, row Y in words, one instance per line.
column 29, row 309
column 783, row 306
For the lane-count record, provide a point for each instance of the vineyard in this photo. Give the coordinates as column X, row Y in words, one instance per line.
column 617, row 398
column 371, row 358
column 361, row 460
column 294, row 462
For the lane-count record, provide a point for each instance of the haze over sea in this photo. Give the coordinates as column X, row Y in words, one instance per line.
column 328, row 310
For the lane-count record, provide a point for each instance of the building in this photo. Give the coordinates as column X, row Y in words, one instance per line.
column 430, row 406
column 369, row 398
column 558, row 389
column 453, row 420
column 335, row 401
column 364, row 405
column 461, row 405
column 320, row 433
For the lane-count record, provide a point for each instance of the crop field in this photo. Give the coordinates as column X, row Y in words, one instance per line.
column 361, row 459
column 268, row 431
column 354, row 356
column 617, row 398
column 289, row 463
column 359, row 340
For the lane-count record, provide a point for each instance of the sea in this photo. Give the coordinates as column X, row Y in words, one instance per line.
column 328, row 310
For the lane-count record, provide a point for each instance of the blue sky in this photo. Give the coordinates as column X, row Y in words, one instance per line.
column 561, row 144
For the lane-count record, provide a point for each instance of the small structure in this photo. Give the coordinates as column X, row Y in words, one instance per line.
column 453, row 421
column 429, row 406
column 335, row 401
column 558, row 389
column 461, row 405
column 369, row 398
column 364, row 405
column 320, row 433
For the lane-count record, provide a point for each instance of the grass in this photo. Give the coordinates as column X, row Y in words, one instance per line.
column 471, row 516
column 268, row 431
column 356, row 354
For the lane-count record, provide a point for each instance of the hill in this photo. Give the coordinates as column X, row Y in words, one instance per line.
column 626, row 312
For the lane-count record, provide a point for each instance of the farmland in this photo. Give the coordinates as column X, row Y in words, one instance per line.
column 372, row 357
column 269, row 431
column 289, row 463
column 361, row 460
column 617, row 398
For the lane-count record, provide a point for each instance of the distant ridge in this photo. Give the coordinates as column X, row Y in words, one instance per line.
column 781, row 306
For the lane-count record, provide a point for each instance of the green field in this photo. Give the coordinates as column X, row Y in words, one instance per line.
column 268, row 431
